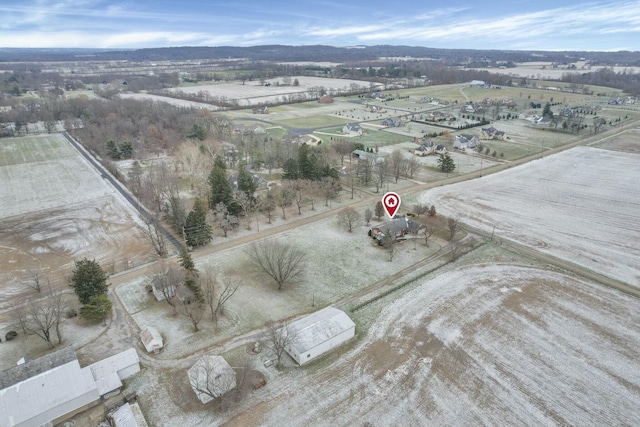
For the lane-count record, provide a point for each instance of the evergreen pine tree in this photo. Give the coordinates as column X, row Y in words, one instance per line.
column 246, row 184
column 88, row 279
column 290, row 169
column 196, row 230
column 221, row 191
column 446, row 163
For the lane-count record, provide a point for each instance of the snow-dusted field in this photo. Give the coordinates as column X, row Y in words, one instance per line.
column 252, row 93
column 485, row 344
column 168, row 100
column 582, row 205
column 54, row 209
column 44, row 172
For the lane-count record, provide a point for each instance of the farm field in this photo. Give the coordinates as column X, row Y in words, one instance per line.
column 54, row 209
column 252, row 93
column 482, row 344
column 168, row 100
column 581, row 205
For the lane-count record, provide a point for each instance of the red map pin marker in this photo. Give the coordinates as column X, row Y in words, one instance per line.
column 391, row 203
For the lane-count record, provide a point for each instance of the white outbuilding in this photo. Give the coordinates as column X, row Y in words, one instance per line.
column 151, row 339
column 318, row 333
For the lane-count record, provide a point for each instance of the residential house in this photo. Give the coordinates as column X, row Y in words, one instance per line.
column 318, row 333
column 365, row 155
column 389, row 122
column 427, row 147
column 396, row 228
column 352, row 129
column 160, row 289
column 491, row 133
column 440, row 149
column 477, row 83
column 464, row 141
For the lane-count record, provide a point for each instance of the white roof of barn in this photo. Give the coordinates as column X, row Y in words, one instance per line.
column 319, row 327
column 47, row 395
column 105, row 371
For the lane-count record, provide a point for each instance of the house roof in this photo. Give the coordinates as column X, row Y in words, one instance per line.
column 211, row 368
column 318, row 327
column 398, row 224
column 49, row 393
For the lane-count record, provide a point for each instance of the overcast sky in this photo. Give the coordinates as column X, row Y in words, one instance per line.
column 462, row 24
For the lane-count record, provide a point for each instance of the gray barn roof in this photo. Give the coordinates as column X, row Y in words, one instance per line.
column 34, row 367
column 318, row 327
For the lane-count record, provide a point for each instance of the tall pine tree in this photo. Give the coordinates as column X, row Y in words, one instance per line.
column 446, row 163
column 246, row 184
column 221, row 191
column 196, row 230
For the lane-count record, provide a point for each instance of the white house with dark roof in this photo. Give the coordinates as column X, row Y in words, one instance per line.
column 318, row 333
column 491, row 133
column 464, row 141
column 352, row 129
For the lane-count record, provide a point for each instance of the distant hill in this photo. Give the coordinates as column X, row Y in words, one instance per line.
column 318, row 53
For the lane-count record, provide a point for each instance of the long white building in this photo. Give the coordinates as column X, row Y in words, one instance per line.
column 318, row 333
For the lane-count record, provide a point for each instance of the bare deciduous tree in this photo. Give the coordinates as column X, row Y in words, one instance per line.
column 410, row 167
column 278, row 339
column 43, row 318
column 155, row 236
column 349, row 217
column 368, row 214
column 284, row 263
column 420, row 208
column 217, row 293
column 284, row 196
column 36, row 280
column 247, row 205
column 454, row 226
column 397, row 164
column 426, row 233
column 455, row 250
column 166, row 280
column 190, row 307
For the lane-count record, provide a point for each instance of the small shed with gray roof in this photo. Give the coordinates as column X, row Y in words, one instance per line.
column 318, row 333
